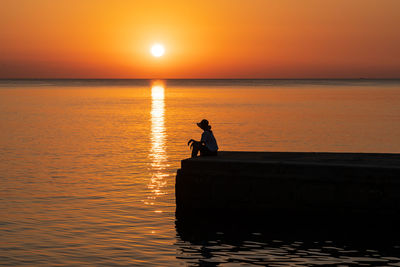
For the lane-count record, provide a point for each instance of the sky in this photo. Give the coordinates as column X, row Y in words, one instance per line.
column 202, row 39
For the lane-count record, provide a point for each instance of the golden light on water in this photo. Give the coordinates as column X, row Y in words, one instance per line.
column 158, row 153
column 157, row 93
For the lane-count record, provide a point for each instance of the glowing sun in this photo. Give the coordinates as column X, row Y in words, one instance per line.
column 157, row 50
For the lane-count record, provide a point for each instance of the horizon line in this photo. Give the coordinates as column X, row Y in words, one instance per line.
column 361, row 78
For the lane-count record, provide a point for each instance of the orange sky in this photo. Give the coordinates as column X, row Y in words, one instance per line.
column 203, row 39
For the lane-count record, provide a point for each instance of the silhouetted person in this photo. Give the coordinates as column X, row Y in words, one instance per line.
column 207, row 145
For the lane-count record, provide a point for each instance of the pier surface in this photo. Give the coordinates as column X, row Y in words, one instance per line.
column 290, row 183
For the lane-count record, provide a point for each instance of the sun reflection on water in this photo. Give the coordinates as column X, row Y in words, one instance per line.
column 157, row 93
column 158, row 153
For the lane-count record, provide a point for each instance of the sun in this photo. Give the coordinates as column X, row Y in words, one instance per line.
column 157, row 50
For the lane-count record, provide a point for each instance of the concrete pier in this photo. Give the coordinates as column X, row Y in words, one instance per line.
column 265, row 183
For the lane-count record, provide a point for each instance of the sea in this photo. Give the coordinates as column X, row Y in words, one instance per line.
column 87, row 167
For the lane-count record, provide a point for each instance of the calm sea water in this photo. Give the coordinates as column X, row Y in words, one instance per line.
column 87, row 168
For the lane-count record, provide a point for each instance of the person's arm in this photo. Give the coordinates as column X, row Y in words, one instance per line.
column 204, row 138
column 193, row 141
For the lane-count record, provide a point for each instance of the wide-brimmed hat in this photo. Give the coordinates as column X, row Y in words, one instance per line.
column 204, row 124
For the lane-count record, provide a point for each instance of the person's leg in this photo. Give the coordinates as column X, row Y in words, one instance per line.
column 204, row 151
column 195, row 149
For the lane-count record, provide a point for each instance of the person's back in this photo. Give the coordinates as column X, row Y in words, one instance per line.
column 209, row 140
